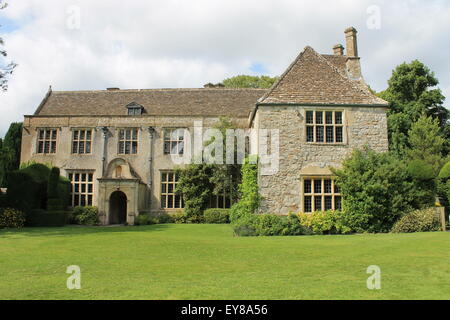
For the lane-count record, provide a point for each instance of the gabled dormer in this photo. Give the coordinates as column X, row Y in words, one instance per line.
column 135, row 109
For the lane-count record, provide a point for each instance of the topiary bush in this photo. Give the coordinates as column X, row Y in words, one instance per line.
column 418, row 221
column 325, row 222
column 11, row 218
column 86, row 215
column 217, row 216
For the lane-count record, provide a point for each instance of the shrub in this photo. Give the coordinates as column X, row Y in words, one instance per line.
column 179, row 217
column 377, row 188
column 418, row 221
column 250, row 197
column 217, row 216
column 42, row 218
column 325, row 222
column 269, row 225
column 165, row 218
column 52, row 187
column 245, row 226
column 144, row 219
column 11, row 218
column 54, row 204
column 86, row 215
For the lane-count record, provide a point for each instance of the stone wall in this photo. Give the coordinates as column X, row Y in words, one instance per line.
column 140, row 162
column 281, row 191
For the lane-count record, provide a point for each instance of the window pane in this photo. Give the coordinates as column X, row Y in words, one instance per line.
column 82, row 133
column 309, row 134
column 319, row 134
column 338, row 117
column 307, row 186
column 121, row 147
column 318, row 203
column 307, row 204
column 88, row 147
column 309, row 117
column 329, row 117
column 328, row 202
column 319, row 117
column 317, row 186
column 167, row 147
column 327, row 186
column 339, row 136
column 53, row 134
column 330, row 136
column 336, row 188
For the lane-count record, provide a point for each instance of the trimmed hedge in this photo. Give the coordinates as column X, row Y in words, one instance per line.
column 217, row 216
column 43, row 218
column 424, row 220
column 11, row 218
column 325, row 222
column 269, row 225
column 87, row 216
column 144, row 219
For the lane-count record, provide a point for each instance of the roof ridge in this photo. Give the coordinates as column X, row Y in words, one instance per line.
column 355, row 83
column 160, row 89
column 284, row 74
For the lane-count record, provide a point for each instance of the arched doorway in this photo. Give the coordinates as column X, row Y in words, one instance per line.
column 118, row 208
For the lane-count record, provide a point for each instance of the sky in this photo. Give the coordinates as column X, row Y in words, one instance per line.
column 137, row 44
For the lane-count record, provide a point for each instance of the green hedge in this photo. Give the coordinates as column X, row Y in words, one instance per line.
column 418, row 221
column 217, row 216
column 269, row 225
column 43, row 218
column 11, row 218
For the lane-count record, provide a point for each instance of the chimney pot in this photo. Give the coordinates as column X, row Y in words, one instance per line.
column 352, row 45
column 338, row 50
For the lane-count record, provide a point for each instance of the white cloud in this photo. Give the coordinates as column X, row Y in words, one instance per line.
column 186, row 43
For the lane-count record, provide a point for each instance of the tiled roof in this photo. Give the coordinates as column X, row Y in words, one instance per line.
column 170, row 102
column 319, row 79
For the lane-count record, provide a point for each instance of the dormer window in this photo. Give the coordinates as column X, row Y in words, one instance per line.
column 135, row 109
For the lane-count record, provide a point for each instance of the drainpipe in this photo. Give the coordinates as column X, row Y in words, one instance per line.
column 105, row 149
column 151, row 135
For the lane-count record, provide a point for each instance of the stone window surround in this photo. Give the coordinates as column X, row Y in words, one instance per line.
column 333, row 109
column 36, row 147
column 160, row 193
column 185, row 142
column 86, row 193
column 322, row 193
column 117, row 130
column 93, row 130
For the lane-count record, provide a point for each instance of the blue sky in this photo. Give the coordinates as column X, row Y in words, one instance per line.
column 82, row 44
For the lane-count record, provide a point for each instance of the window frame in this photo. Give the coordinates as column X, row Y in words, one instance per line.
column 125, row 141
column 177, row 141
column 164, row 204
column 45, row 139
column 325, row 125
column 82, row 140
column 322, row 194
column 71, row 174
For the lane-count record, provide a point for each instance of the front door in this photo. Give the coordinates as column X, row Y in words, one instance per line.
column 118, row 208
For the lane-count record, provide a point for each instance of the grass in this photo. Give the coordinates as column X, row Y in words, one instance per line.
column 207, row 262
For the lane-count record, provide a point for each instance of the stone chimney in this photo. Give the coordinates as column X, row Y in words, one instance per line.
column 353, row 63
column 352, row 45
column 338, row 50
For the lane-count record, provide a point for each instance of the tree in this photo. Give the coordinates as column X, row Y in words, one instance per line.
column 426, row 143
column 245, row 81
column 377, row 188
column 10, row 151
column 5, row 68
column 410, row 94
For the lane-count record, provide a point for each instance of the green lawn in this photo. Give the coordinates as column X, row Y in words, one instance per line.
column 207, row 262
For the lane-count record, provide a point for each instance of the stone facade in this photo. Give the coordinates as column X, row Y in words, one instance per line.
column 281, row 192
